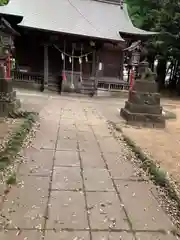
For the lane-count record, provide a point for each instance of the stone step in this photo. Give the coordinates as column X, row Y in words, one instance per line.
column 144, row 108
column 88, row 92
column 87, row 85
column 150, row 120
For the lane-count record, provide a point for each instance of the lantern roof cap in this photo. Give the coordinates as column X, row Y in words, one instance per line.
column 135, row 46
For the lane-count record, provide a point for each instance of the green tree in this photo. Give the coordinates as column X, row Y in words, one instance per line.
column 162, row 16
column 3, row 2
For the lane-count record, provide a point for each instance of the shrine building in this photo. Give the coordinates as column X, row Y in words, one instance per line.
column 78, row 42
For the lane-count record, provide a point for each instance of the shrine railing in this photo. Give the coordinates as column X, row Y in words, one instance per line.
column 37, row 78
column 112, row 87
column 30, row 77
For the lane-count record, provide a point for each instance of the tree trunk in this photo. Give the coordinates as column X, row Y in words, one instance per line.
column 151, row 59
column 161, row 73
column 173, row 79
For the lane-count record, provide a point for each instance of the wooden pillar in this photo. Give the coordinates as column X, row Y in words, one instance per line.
column 93, row 74
column 46, row 65
column 122, row 65
column 94, row 63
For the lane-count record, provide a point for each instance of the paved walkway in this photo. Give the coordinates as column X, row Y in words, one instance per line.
column 76, row 183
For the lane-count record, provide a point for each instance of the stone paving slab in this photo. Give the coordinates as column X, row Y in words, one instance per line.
column 67, row 135
column 141, row 206
column 105, row 211
column 67, row 127
column 97, row 180
column 83, row 127
column 69, row 122
column 36, row 162
column 86, row 136
column 88, row 146
column 112, row 236
column 49, row 131
column 26, row 203
column 101, row 131
column 92, row 160
column 66, row 178
column 63, row 235
column 154, row 236
column 42, row 141
column 109, row 145
column 119, row 167
column 67, row 210
column 67, row 145
column 20, row 235
column 67, row 158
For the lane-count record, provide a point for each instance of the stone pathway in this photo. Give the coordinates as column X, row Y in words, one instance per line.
column 77, row 184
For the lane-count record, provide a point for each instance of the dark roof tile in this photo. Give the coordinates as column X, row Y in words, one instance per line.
column 80, row 17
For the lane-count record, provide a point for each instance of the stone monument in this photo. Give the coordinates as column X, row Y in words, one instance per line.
column 143, row 105
column 8, row 102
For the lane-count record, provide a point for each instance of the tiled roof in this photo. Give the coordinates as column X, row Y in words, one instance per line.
column 81, row 17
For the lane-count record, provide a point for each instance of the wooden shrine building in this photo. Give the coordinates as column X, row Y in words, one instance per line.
column 80, row 42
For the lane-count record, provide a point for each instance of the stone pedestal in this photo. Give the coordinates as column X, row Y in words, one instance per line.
column 143, row 105
column 8, row 101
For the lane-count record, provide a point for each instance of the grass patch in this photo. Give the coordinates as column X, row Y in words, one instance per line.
column 13, row 146
column 156, row 173
column 11, row 179
column 169, row 115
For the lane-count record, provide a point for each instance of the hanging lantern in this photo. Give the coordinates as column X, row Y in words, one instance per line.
column 135, row 58
column 86, row 58
column 100, row 66
column 92, row 44
column 70, row 60
column 62, row 56
column 80, row 61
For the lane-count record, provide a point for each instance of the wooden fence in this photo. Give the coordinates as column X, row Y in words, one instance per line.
column 36, row 78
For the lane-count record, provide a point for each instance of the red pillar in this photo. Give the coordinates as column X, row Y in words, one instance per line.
column 8, row 71
column 64, row 76
column 131, row 78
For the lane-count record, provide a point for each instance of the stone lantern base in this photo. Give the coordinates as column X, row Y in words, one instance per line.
column 8, row 101
column 143, row 105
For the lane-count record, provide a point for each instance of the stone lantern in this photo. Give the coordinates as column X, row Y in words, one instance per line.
column 134, row 52
column 143, row 106
column 135, row 58
column 7, row 95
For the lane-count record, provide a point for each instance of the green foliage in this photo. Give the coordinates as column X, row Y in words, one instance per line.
column 3, row 2
column 11, row 180
column 15, row 142
column 162, row 16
